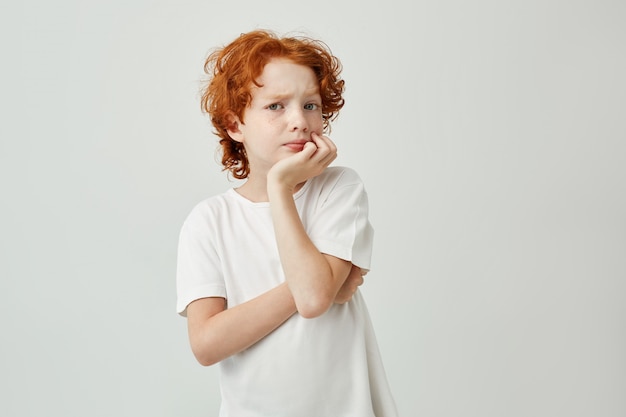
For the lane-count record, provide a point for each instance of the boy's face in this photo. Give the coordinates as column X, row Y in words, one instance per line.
column 281, row 116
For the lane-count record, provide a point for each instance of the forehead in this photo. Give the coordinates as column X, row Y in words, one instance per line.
column 282, row 76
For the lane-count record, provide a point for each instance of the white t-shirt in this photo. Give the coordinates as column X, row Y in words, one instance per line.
column 328, row 366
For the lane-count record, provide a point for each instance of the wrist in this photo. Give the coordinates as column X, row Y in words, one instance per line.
column 277, row 186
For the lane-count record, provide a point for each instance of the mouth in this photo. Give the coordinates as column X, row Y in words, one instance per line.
column 296, row 145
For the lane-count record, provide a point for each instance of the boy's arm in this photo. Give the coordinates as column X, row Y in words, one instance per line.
column 216, row 332
column 313, row 278
column 350, row 285
column 210, row 324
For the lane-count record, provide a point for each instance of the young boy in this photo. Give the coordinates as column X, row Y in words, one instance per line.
column 268, row 272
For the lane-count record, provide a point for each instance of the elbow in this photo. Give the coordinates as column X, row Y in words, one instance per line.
column 312, row 308
column 203, row 354
column 204, row 358
column 205, row 362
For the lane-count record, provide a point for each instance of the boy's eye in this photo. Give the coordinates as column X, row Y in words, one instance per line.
column 311, row 106
column 275, row 106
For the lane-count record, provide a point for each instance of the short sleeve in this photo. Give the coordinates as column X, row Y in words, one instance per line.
column 340, row 226
column 198, row 272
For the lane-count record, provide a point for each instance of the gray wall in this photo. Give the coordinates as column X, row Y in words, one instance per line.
column 492, row 140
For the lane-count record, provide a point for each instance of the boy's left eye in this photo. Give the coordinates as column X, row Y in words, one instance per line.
column 311, row 106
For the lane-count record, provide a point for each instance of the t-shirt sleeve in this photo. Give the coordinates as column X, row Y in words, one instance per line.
column 198, row 272
column 341, row 226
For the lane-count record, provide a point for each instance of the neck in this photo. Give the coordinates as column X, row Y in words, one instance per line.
column 255, row 189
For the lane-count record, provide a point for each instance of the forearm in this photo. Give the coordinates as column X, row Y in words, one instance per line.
column 218, row 336
column 311, row 278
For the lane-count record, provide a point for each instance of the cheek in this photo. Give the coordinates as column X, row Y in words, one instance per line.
column 316, row 122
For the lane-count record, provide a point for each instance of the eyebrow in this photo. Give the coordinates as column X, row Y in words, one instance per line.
column 307, row 93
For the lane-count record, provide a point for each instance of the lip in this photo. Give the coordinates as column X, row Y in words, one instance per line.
column 296, row 145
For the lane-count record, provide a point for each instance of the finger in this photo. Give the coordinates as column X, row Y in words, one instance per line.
column 322, row 145
column 331, row 144
column 355, row 272
column 308, row 150
column 327, row 161
column 324, row 141
column 326, row 149
column 332, row 148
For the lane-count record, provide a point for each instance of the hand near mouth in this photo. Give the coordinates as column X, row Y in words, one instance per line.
column 315, row 155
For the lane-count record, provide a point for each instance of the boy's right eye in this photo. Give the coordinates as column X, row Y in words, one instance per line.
column 274, row 106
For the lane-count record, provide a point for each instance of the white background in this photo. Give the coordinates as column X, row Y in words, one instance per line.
column 491, row 136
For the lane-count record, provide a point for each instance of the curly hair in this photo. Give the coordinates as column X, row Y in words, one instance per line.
column 233, row 69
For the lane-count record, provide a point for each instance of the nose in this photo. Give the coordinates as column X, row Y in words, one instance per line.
column 298, row 121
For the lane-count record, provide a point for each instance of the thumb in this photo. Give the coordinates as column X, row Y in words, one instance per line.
column 309, row 149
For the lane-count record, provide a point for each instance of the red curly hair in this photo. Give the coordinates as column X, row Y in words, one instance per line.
column 233, row 70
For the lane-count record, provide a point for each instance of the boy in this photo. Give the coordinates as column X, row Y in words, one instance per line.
column 268, row 272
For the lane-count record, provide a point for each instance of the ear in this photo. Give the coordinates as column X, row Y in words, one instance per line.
column 233, row 127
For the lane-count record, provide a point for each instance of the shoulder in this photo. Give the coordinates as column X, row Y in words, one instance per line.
column 208, row 210
column 338, row 176
column 336, row 183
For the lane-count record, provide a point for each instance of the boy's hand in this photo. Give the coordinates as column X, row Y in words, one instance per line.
column 308, row 163
column 351, row 284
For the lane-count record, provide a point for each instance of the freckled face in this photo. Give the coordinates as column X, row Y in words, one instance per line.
column 283, row 113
